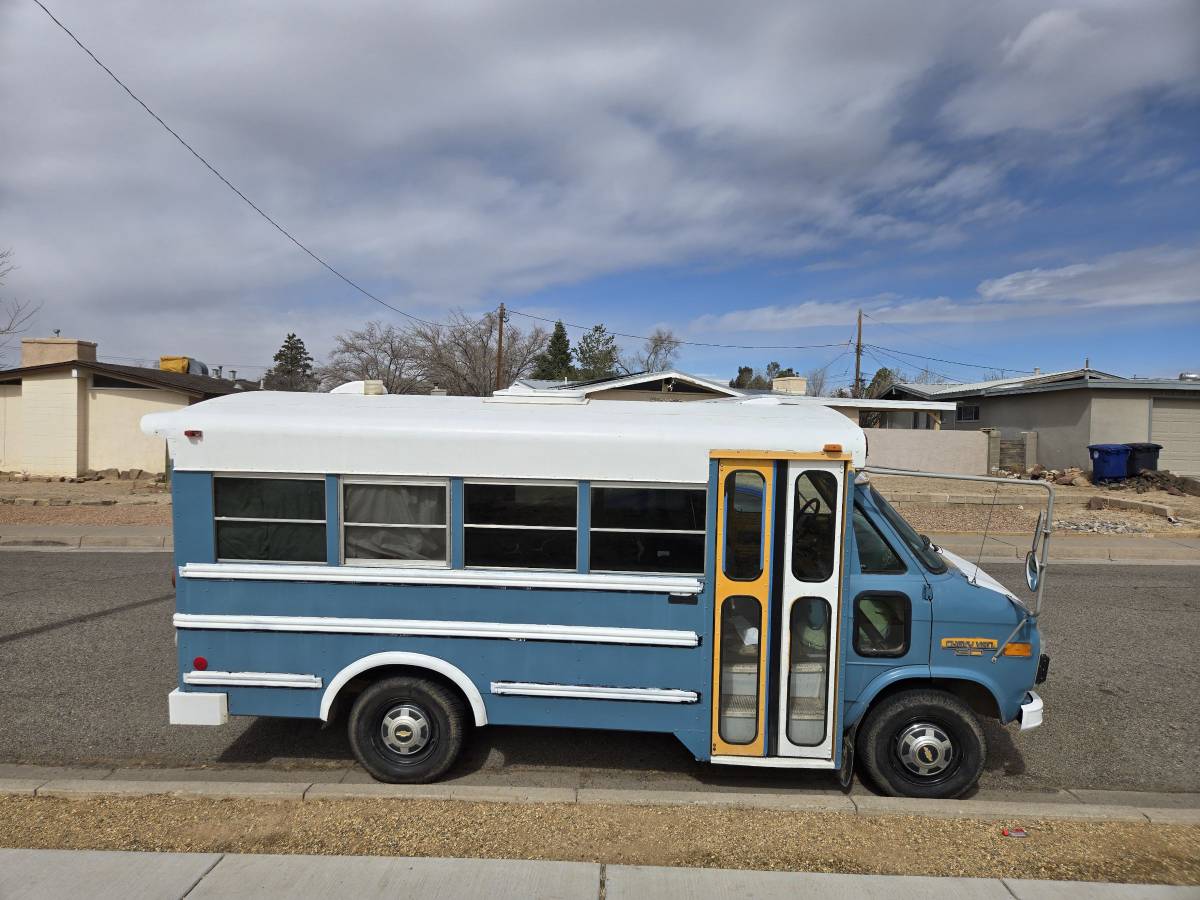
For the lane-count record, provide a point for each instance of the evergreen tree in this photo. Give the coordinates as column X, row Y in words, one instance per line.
column 293, row 369
column 597, row 354
column 554, row 363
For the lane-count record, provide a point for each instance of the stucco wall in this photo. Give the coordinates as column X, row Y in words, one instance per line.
column 952, row 452
column 1061, row 419
column 114, row 434
column 1120, row 417
column 50, row 436
column 10, row 428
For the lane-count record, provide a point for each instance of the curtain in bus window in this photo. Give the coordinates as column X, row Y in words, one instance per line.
column 271, row 541
column 402, row 522
column 808, row 678
column 269, row 498
column 814, row 515
column 270, row 519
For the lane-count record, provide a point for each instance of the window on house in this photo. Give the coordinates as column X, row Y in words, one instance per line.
column 520, row 526
column 644, row 529
column 395, row 523
column 967, row 413
column 881, row 623
column 270, row 519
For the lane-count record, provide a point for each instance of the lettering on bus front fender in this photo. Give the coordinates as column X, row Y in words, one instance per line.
column 969, row 646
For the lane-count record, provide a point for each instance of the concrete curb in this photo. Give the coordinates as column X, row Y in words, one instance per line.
column 1105, row 806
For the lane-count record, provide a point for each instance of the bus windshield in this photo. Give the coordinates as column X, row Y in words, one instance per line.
column 917, row 543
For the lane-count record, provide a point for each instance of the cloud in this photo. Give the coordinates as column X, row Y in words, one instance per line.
column 453, row 154
column 1148, row 276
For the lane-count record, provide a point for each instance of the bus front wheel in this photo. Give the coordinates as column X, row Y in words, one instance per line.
column 922, row 743
column 407, row 730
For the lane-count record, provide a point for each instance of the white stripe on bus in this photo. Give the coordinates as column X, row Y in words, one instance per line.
column 432, row 628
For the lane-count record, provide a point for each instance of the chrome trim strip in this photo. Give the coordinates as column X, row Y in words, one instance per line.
column 774, row 762
column 587, row 634
column 651, row 584
column 591, row 692
column 252, row 679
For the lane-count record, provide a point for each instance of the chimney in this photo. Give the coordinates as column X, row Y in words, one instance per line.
column 790, row 384
column 42, row 351
column 1037, row 371
column 233, row 374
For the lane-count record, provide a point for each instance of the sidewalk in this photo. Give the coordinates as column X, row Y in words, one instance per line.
column 99, row 874
column 999, row 548
column 78, row 783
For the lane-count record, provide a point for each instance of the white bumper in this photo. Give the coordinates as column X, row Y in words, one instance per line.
column 1031, row 711
column 198, row 708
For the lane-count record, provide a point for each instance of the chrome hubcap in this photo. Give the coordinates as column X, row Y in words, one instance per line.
column 925, row 749
column 405, row 729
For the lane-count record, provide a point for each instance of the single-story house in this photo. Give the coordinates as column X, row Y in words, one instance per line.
column 674, row 386
column 908, row 436
column 62, row 412
column 1066, row 411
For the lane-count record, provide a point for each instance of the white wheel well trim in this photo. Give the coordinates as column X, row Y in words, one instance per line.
column 413, row 660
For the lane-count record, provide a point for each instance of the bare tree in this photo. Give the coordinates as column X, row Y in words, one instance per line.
column 656, row 355
column 15, row 315
column 461, row 356
column 379, row 352
column 817, row 379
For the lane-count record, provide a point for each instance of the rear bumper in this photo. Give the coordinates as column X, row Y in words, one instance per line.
column 1030, row 715
column 198, row 708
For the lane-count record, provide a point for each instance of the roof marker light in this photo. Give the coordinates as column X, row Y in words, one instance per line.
column 833, row 448
column 193, row 433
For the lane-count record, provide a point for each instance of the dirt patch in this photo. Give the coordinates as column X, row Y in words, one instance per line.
column 107, row 502
column 631, row 835
column 971, row 511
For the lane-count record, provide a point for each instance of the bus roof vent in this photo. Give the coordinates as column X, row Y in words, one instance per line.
column 371, row 387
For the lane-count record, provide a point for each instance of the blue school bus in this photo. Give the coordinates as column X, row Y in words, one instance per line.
column 721, row 570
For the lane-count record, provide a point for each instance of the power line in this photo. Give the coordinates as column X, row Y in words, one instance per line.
column 642, row 337
column 192, row 150
column 952, row 362
column 897, row 359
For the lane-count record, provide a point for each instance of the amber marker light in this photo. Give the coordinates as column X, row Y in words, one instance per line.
column 833, row 448
column 1018, row 648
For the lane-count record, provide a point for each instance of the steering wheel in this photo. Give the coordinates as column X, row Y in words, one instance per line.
column 810, row 506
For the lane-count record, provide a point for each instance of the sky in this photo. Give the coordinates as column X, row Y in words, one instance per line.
column 1005, row 185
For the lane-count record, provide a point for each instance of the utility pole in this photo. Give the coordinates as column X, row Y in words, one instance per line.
column 858, row 359
column 500, row 350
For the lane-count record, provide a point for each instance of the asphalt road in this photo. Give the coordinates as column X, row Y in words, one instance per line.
column 87, row 660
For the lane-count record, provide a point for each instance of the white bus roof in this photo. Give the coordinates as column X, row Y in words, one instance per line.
column 475, row 437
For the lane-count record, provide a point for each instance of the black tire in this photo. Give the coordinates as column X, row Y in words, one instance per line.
column 425, row 724
column 922, row 743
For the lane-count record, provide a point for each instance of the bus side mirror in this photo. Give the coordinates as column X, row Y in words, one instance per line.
column 1033, row 570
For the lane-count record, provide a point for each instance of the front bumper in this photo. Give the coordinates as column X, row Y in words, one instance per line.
column 1030, row 715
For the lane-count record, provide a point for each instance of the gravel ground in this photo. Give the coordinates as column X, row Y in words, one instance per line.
column 119, row 514
column 627, row 835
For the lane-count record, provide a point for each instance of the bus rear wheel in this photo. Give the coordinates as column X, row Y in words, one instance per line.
column 922, row 743
column 407, row 730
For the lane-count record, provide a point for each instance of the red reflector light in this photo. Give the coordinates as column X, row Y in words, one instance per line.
column 199, row 663
column 193, row 433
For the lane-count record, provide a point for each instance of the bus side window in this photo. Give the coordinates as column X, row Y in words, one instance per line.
column 882, row 622
column 875, row 556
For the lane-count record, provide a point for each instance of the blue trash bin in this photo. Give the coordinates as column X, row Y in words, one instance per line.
column 1110, row 462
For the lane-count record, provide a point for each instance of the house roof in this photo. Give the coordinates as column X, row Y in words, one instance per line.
column 478, row 437
column 1069, row 379
column 578, row 391
column 585, row 388
column 195, row 385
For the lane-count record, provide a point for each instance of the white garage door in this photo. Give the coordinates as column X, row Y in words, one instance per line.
column 1176, row 425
